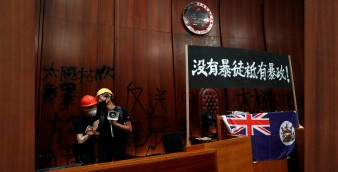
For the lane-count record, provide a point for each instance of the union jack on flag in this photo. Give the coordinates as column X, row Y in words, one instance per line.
column 248, row 124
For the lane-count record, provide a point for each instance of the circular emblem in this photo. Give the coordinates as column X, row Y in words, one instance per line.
column 287, row 133
column 198, row 18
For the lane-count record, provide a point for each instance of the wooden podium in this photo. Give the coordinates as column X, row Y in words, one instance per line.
column 225, row 155
column 229, row 155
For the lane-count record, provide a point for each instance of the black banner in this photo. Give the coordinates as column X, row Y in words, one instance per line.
column 217, row 67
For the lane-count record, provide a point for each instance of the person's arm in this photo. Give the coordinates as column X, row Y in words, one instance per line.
column 126, row 127
column 94, row 128
column 82, row 138
column 89, row 132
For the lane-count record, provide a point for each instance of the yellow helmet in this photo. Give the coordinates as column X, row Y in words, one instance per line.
column 104, row 90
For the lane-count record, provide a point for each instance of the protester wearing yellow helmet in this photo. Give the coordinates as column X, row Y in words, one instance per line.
column 115, row 125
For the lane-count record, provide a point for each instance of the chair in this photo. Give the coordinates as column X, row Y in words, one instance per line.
column 222, row 130
column 172, row 142
column 208, row 109
column 209, row 100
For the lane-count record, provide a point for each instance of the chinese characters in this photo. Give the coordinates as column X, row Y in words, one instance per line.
column 240, row 69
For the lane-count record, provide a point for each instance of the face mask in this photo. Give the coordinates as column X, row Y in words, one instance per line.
column 103, row 101
column 102, row 105
column 92, row 112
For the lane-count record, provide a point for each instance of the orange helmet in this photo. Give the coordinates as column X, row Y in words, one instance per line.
column 88, row 100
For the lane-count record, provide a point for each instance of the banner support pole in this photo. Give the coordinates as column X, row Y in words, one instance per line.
column 187, row 96
column 293, row 85
column 294, row 91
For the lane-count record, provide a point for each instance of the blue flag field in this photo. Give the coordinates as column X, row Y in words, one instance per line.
column 272, row 133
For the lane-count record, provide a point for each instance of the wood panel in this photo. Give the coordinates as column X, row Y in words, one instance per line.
column 199, row 160
column 299, row 161
column 242, row 27
column 264, row 26
column 93, row 11
column 242, row 24
column 284, row 34
column 76, row 59
column 321, row 83
column 271, row 165
column 144, row 72
column 141, row 14
column 17, row 73
column 140, row 45
column 144, row 86
column 182, row 36
column 233, row 155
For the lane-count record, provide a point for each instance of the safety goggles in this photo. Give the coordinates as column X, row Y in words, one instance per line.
column 103, row 96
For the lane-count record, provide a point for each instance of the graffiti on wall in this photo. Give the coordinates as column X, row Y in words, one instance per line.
column 64, row 94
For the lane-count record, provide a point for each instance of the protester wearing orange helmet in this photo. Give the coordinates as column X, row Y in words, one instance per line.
column 85, row 130
column 115, row 125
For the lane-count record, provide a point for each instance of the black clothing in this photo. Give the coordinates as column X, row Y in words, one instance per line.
column 112, row 148
column 85, row 152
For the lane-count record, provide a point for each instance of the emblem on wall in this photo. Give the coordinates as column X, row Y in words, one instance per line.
column 198, row 18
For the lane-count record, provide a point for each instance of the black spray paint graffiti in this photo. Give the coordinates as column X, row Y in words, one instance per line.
column 49, row 93
column 73, row 120
column 68, row 90
column 245, row 104
column 155, row 131
column 68, row 152
column 136, row 93
column 55, row 129
column 68, row 148
column 51, row 71
column 265, row 101
column 68, row 75
column 71, row 73
column 158, row 100
column 48, row 155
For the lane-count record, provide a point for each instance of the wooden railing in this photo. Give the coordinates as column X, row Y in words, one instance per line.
column 229, row 155
column 199, row 160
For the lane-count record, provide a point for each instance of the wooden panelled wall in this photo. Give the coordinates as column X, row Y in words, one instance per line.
column 136, row 48
column 17, row 74
column 321, row 84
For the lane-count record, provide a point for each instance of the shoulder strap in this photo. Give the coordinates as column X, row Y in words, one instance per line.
column 102, row 118
column 119, row 109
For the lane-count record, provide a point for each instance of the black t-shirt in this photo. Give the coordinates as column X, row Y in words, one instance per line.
column 82, row 122
column 105, row 129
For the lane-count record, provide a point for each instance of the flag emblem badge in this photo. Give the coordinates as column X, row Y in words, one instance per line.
column 287, row 133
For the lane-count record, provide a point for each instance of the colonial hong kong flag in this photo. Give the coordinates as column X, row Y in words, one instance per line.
column 272, row 134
